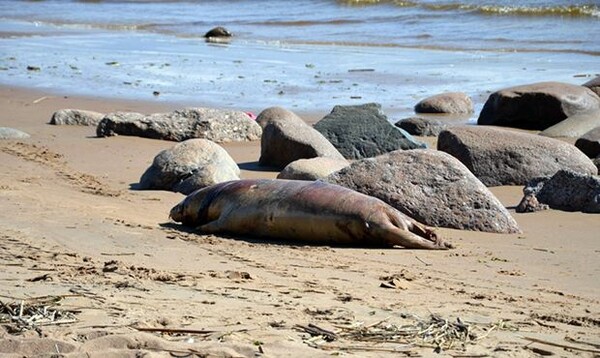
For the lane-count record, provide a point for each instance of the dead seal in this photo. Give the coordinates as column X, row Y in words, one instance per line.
column 315, row 212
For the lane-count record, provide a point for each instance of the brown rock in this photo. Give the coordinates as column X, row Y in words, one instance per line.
column 287, row 138
column 538, row 105
column 450, row 102
column 77, row 117
column 574, row 126
column 312, row 169
column 589, row 143
column 429, row 186
column 503, row 157
column 594, row 85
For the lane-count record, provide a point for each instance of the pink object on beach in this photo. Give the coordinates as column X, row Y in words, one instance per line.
column 251, row 115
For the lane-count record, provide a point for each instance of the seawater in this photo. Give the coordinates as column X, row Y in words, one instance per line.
column 306, row 55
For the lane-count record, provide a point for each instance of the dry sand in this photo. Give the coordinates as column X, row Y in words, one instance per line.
column 71, row 227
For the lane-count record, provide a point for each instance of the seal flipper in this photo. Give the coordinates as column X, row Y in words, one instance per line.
column 212, row 227
column 397, row 237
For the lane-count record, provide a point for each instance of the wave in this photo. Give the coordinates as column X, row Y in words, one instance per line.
column 584, row 10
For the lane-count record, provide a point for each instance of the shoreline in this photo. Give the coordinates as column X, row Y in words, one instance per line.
column 70, row 214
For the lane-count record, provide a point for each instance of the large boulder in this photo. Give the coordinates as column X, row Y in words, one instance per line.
column 425, row 127
column 574, row 126
column 450, row 102
column 567, row 190
column 505, row 157
column 312, row 169
column 538, row 105
column 77, row 117
column 188, row 166
column 287, row 138
column 364, row 131
column 430, row 186
column 594, row 85
column 11, row 133
column 213, row 124
column 589, row 143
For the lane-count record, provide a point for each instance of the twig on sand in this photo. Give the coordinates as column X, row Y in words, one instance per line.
column 561, row 345
column 40, row 99
column 423, row 262
column 175, row 330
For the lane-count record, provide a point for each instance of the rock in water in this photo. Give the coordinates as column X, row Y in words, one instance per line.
column 287, row 138
column 538, row 105
column 312, row 169
column 567, row 190
column 430, row 186
column 505, row 157
column 77, row 117
column 363, row 131
column 450, row 103
column 589, row 143
column 207, row 123
column 188, row 166
column 11, row 133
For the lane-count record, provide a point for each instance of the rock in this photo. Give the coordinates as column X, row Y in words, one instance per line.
column 425, row 127
column 589, row 143
column 312, row 169
column 597, row 163
column 76, row 117
column 530, row 204
column 218, row 31
column 504, row 157
column 537, row 106
column 363, row 131
column 287, row 138
column 11, row 133
column 574, row 126
column 188, row 166
column 451, row 102
column 431, row 187
column 594, row 85
column 276, row 113
column 212, row 124
column 567, row 190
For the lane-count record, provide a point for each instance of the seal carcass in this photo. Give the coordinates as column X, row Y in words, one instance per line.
column 315, row 212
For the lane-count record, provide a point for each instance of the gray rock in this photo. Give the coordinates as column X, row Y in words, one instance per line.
column 76, row 117
column 537, row 106
column 188, row 166
column 425, row 127
column 11, row 133
column 208, row 123
column 364, row 131
column 596, row 162
column 505, row 157
column 594, row 85
column 287, row 138
column 312, row 169
column 567, row 190
column 430, row 186
column 574, row 126
column 589, row 143
column 450, row 102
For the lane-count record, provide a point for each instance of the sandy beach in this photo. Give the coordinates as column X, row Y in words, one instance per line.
column 139, row 285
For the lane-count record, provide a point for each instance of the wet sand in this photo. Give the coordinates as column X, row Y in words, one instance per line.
column 71, row 227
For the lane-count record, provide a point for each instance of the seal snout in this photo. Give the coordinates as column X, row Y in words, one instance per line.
column 177, row 213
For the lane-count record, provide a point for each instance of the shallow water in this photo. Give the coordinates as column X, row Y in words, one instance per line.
column 306, row 55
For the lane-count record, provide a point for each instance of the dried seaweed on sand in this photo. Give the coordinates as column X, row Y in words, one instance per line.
column 435, row 332
column 31, row 314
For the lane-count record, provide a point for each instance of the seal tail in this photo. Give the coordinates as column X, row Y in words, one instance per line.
column 411, row 234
